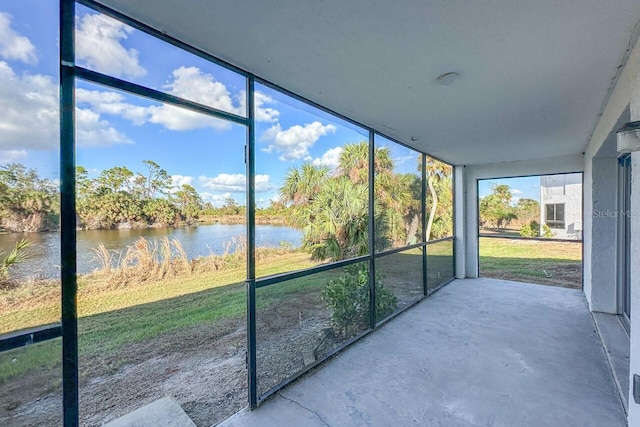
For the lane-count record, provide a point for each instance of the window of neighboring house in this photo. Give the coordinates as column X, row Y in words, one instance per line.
column 555, row 215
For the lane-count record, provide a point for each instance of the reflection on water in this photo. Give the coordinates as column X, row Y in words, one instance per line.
column 202, row 240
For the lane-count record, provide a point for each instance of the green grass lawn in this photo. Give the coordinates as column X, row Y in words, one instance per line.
column 112, row 318
column 439, row 263
column 536, row 261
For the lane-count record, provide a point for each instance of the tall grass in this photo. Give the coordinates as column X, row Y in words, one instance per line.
column 234, row 255
column 144, row 260
column 151, row 260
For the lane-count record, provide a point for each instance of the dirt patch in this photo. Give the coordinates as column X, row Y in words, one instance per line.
column 202, row 367
column 566, row 276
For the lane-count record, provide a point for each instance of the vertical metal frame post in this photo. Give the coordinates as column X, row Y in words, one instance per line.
column 372, row 231
column 68, row 216
column 251, row 245
column 423, row 190
column 477, row 230
column 453, row 218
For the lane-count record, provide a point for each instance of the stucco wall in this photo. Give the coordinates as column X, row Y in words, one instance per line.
column 604, row 231
column 598, row 288
column 565, row 189
column 634, row 408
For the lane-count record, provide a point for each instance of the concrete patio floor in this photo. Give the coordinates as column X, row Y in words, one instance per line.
column 480, row 352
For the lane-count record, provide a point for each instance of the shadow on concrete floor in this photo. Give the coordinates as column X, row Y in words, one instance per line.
column 480, row 352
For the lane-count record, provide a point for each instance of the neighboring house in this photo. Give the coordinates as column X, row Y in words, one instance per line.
column 561, row 205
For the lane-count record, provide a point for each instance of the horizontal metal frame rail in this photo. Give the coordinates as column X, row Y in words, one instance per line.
column 399, row 249
column 156, row 95
column 442, row 239
column 270, row 280
column 538, row 239
column 30, row 336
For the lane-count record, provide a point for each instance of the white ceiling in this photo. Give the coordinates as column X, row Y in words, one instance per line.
column 534, row 74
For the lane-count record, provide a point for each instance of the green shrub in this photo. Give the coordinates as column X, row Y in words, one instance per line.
column 533, row 230
column 530, row 230
column 348, row 298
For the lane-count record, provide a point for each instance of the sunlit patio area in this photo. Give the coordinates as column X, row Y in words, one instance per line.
column 362, row 213
column 479, row 352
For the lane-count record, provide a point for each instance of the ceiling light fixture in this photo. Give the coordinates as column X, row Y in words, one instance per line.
column 447, row 79
column 629, row 137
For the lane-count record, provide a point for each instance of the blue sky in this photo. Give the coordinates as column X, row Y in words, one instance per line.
column 527, row 187
column 117, row 129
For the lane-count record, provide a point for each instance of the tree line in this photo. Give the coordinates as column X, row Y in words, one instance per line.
column 27, row 202
column 331, row 207
column 120, row 197
column 497, row 211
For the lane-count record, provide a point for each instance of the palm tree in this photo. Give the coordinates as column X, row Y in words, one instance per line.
column 17, row 255
column 354, row 162
column 301, row 185
column 336, row 221
column 436, row 171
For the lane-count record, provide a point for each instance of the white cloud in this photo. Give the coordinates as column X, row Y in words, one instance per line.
column 30, row 120
column 189, row 83
column 263, row 183
column 216, row 200
column 92, row 131
column 295, row 142
column 235, row 183
column 98, row 46
column 180, row 180
column 330, row 158
column 112, row 103
column 276, row 198
column 192, row 84
column 402, row 159
column 11, row 156
column 516, row 191
column 170, row 117
column 29, row 105
column 13, row 45
column 180, row 119
column 263, row 114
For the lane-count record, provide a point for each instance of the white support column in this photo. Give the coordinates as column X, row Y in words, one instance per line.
column 587, row 228
column 471, row 225
column 604, row 230
column 460, row 220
